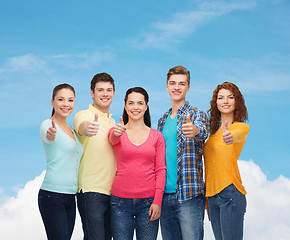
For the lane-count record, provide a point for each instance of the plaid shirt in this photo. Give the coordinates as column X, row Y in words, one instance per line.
column 189, row 152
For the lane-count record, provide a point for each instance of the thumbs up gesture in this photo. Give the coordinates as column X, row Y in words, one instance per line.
column 188, row 128
column 51, row 132
column 93, row 127
column 119, row 128
column 227, row 135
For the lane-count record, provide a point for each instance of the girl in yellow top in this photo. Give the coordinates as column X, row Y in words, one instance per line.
column 224, row 189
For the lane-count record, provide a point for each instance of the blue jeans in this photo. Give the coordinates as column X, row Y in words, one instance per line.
column 128, row 214
column 226, row 211
column 182, row 220
column 94, row 209
column 58, row 212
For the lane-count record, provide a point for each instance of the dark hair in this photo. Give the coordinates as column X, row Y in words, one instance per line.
column 147, row 119
column 102, row 77
column 179, row 70
column 59, row 87
column 240, row 113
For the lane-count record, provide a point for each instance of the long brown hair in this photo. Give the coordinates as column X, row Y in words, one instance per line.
column 59, row 87
column 240, row 113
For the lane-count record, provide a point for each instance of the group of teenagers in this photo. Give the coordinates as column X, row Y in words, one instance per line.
column 127, row 176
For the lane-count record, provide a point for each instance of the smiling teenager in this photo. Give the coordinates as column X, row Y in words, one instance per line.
column 140, row 178
column 97, row 166
column 184, row 129
column 56, row 197
column 224, row 189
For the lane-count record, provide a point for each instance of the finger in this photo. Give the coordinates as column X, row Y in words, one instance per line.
column 188, row 118
column 96, row 117
column 53, row 123
column 121, row 120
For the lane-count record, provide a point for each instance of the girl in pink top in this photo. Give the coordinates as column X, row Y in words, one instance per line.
column 140, row 178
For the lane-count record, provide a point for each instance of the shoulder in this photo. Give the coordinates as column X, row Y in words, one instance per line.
column 156, row 134
column 240, row 125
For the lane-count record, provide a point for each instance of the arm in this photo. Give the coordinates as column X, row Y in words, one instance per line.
column 160, row 169
column 201, row 122
column 48, row 131
column 238, row 134
column 86, row 128
column 112, row 137
column 160, row 172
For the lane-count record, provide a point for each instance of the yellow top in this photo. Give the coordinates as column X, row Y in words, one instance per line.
column 221, row 160
column 97, row 165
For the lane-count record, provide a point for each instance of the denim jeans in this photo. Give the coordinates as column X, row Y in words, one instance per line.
column 226, row 211
column 58, row 212
column 128, row 214
column 94, row 209
column 182, row 220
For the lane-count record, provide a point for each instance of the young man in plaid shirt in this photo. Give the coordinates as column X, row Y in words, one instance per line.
column 184, row 129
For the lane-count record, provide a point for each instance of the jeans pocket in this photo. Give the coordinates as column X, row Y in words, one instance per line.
column 115, row 201
column 49, row 194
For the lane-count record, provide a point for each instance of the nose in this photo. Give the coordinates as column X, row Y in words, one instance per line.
column 226, row 100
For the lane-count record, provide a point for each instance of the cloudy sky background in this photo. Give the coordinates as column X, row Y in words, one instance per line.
column 43, row 44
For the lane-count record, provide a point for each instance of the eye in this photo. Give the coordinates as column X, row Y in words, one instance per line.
column 71, row 100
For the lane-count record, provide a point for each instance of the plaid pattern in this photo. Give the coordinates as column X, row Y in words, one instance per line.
column 189, row 152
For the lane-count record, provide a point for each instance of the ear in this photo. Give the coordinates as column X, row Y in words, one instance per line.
column 166, row 86
column 92, row 94
column 51, row 102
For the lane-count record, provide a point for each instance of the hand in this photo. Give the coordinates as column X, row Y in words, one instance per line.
column 93, row 127
column 51, row 132
column 227, row 135
column 119, row 128
column 188, row 129
column 154, row 212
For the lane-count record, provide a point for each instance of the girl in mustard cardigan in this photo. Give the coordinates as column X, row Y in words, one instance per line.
column 224, row 189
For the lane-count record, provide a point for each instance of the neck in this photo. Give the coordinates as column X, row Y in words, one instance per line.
column 59, row 119
column 139, row 124
column 102, row 109
column 229, row 118
column 175, row 106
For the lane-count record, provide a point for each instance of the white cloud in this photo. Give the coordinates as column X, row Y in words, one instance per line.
column 24, row 63
column 182, row 24
column 267, row 217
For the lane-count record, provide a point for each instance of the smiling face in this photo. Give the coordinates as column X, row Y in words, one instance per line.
column 177, row 87
column 103, row 95
column 225, row 101
column 135, row 106
column 63, row 102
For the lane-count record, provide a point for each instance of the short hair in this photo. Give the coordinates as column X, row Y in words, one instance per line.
column 179, row 70
column 240, row 113
column 102, row 77
column 147, row 118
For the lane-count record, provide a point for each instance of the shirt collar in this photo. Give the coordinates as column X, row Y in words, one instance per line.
column 184, row 107
column 100, row 114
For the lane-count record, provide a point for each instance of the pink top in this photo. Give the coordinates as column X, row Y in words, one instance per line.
column 141, row 171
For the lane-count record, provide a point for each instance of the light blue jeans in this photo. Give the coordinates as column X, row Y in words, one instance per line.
column 128, row 214
column 182, row 220
column 226, row 211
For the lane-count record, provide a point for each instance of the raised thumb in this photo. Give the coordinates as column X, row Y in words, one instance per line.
column 121, row 120
column 53, row 123
column 96, row 117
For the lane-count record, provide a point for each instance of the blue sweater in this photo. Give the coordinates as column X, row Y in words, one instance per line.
column 63, row 155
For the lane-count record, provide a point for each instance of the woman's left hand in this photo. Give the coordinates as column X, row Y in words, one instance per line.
column 154, row 212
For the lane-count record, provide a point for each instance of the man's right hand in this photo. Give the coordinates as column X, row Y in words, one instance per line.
column 93, row 127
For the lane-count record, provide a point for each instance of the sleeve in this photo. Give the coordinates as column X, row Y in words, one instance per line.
column 78, row 119
column 160, row 169
column 201, row 122
column 45, row 125
column 241, row 132
column 112, row 138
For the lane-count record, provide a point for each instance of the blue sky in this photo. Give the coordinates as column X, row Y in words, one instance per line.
column 43, row 44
